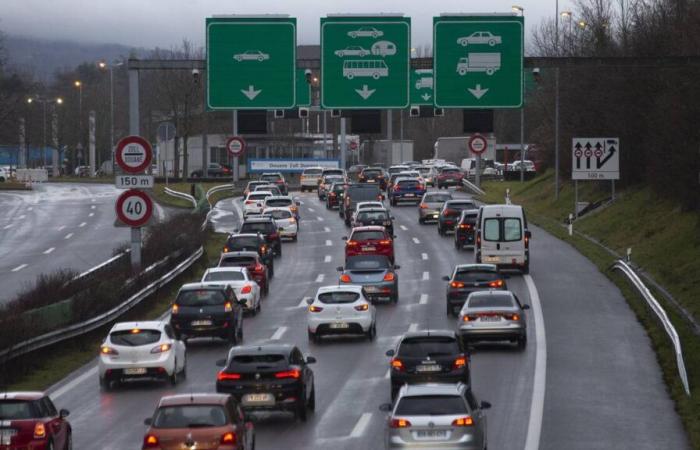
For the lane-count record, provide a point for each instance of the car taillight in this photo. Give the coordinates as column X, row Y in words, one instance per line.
column 351, row 243
column 247, row 289
column 225, row 249
column 105, row 350
column 459, row 362
column 331, row 194
column 175, row 309
column 273, row 235
column 478, row 239
column 361, row 177
column 527, row 242
column 226, row 376
column 228, row 438
column 448, row 211
column 385, row 242
column 228, row 307
column 389, row 276
column 469, row 318
column 345, row 278
column 150, row 441
column 465, row 421
column 496, row 283
column 456, row 284
column 313, row 308
column 259, row 267
column 162, row 348
column 423, row 206
column 420, row 187
column 511, row 316
column 249, row 202
column 399, row 423
column 279, row 181
column 362, row 307
column 263, row 249
column 380, row 198
column 397, row 364
column 39, row 431
column 294, row 373
column 464, row 226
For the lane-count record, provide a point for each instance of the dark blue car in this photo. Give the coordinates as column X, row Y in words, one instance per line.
column 405, row 190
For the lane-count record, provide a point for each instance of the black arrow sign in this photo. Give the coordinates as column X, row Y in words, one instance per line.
column 588, row 152
column 578, row 158
column 600, row 163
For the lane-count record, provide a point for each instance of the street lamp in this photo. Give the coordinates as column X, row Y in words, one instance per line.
column 78, row 84
column 518, row 9
column 569, row 15
column 44, row 101
column 104, row 65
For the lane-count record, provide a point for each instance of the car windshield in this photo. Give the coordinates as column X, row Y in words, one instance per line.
column 437, row 198
column 18, row 410
column 315, row 172
column 338, row 297
column 371, row 172
column 408, row 183
column 431, row 405
column 278, row 202
column 237, row 261
column 190, row 416
column 367, row 263
column 243, row 242
column 224, row 276
column 368, row 235
column 449, row 171
column 423, row 346
column 490, row 301
column 258, row 359
column 372, row 215
column 134, row 337
column 200, row 297
column 460, row 205
column 279, row 214
column 473, row 276
column 338, row 187
column 262, row 227
column 333, row 172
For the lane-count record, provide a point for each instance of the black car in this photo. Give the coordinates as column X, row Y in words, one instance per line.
column 269, row 377
column 449, row 214
column 374, row 216
column 374, row 175
column 252, row 243
column 358, row 192
column 335, row 195
column 206, row 310
column 266, row 226
column 428, row 356
column 468, row 278
column 375, row 273
column 464, row 229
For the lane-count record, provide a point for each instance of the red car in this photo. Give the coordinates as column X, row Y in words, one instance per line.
column 371, row 240
column 449, row 176
column 251, row 261
column 29, row 420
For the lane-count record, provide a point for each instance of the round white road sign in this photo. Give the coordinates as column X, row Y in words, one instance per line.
column 134, row 208
column 477, row 144
column 133, row 154
column 235, row 145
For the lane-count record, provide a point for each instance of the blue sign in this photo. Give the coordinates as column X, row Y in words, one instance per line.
column 289, row 165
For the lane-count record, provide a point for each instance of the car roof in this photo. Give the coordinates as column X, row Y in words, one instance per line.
column 279, row 197
column 460, row 200
column 368, row 228
column 429, row 333
column 260, row 192
column 22, row 395
column 121, row 326
column 198, row 286
column 265, row 347
column 193, row 399
column 226, row 269
column 244, row 235
column 257, row 219
column 411, row 390
column 491, row 293
column 276, row 208
column 237, row 254
column 466, row 267
column 340, row 288
column 364, row 210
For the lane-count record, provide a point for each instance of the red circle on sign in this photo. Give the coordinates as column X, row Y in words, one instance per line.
column 578, row 153
column 478, row 144
column 588, row 153
column 353, row 145
column 121, row 152
column 139, row 217
column 235, row 145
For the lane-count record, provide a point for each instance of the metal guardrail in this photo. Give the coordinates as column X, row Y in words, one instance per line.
column 181, row 195
column 219, row 188
column 91, row 324
column 473, row 187
column 107, row 265
column 661, row 314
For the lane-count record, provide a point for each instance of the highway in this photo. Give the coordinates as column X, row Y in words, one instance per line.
column 588, row 378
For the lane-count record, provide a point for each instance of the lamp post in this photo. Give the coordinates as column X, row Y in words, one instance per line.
column 79, row 85
column 104, row 65
column 568, row 15
column 44, row 101
column 521, row 11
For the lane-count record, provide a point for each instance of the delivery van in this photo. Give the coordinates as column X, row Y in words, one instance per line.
column 502, row 237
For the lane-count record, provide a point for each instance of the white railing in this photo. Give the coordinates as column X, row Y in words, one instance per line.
column 181, row 195
column 473, row 187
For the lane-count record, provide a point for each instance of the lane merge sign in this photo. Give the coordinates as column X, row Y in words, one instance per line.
column 477, row 144
column 595, row 159
column 235, row 146
column 133, row 154
column 134, row 208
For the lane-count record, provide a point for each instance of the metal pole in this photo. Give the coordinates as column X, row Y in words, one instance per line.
column 91, row 142
column 235, row 158
column 22, row 156
column 80, row 114
column 556, row 133
column 401, row 134
column 43, row 150
column 343, row 144
column 389, row 125
column 477, row 176
column 522, row 144
column 325, row 134
column 613, row 190
column 134, row 130
column 54, row 138
column 111, row 114
column 576, row 199
column 165, row 159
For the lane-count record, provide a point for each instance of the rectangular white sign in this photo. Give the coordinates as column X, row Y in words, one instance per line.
column 595, row 159
column 289, row 165
column 134, row 182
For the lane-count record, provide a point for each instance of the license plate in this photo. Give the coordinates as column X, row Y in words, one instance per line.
column 428, row 368
column 6, row 436
column 409, row 195
column 371, row 289
column 339, row 325
column 492, row 259
column 431, row 434
column 490, row 319
column 448, row 222
column 201, row 323
column 368, row 249
column 435, row 216
column 135, row 371
column 258, row 398
column 370, row 181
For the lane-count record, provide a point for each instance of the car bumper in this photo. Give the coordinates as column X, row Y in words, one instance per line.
column 492, row 333
column 428, row 214
column 166, row 360
column 219, row 328
column 395, row 440
column 285, row 395
column 406, row 197
column 356, row 325
column 380, row 291
column 249, row 301
column 289, row 231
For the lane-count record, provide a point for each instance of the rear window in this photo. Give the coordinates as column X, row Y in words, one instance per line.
column 279, row 214
column 224, row 276
column 371, row 172
column 368, row 235
column 190, row 416
column 333, row 172
column 200, row 297
column 259, row 359
column 237, row 261
column 239, row 243
column 424, row 170
column 19, row 409
column 331, row 298
column 492, row 230
column 134, row 337
column 449, row 171
column 340, row 187
column 257, row 227
column 253, row 184
column 512, row 229
column 491, row 301
column 461, row 205
column 271, row 177
column 408, row 183
column 314, row 172
column 431, row 405
column 278, row 202
column 257, row 196
column 358, row 193
column 372, row 215
column 437, row 198
column 428, row 346
column 367, row 263
column 473, row 276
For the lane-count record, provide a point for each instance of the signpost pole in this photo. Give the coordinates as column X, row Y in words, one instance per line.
column 389, row 125
column 556, row 131
column 576, row 199
column 522, row 143
column 134, row 130
column 325, row 135
column 401, row 134
column 477, row 179
column 343, row 144
column 235, row 158
column 613, row 189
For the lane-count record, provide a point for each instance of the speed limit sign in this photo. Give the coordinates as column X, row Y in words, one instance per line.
column 134, row 208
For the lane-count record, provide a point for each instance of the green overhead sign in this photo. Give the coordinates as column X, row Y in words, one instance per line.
column 478, row 61
column 365, row 62
column 251, row 63
column 303, row 89
column 422, row 87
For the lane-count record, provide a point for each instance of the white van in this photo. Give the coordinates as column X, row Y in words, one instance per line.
column 502, row 237
column 310, row 178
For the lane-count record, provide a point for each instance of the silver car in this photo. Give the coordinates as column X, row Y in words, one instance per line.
column 493, row 316
column 436, row 416
column 430, row 205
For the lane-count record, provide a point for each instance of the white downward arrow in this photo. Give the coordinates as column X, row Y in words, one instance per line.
column 478, row 92
column 426, row 96
column 364, row 92
column 251, row 93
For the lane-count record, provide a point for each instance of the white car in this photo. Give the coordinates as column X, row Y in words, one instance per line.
column 240, row 280
column 285, row 221
column 341, row 310
column 310, row 178
column 254, row 203
column 366, row 205
column 141, row 350
column 4, row 174
column 283, row 201
column 251, row 55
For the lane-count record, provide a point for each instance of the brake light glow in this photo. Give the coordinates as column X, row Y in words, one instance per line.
column 150, row 441
column 468, row 318
column 228, row 438
column 456, row 284
column 420, row 187
column 175, row 309
column 423, row 206
column 512, row 316
column 389, row 276
column 228, row 307
column 399, row 423
column 225, row 376
column 225, row 249
column 161, row 348
column 315, row 309
column 351, row 243
column 397, row 364
column 385, row 242
column 345, row 278
column 362, row 307
column 465, row 421
column 294, row 373
column 39, row 431
column 273, row 235
column 331, row 194
column 258, row 267
column 464, row 226
column 459, row 362
column 247, row 289
column 249, row 202
column 105, row 350
column 496, row 283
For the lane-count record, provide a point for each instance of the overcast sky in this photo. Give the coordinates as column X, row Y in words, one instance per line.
column 164, row 23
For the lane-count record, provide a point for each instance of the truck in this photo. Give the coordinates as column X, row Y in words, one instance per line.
column 455, row 148
column 479, row 62
column 390, row 153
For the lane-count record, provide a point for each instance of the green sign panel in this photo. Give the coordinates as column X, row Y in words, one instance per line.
column 251, row 63
column 303, row 89
column 478, row 61
column 365, row 62
column 422, row 87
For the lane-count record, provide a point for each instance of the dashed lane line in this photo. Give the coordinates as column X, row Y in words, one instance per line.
column 416, row 240
column 82, row 224
column 327, row 259
column 424, row 256
column 20, row 267
column 423, row 299
column 403, row 227
column 278, row 334
column 361, row 425
column 46, row 252
column 426, row 276
column 319, row 218
column 326, row 229
column 320, row 278
column 91, row 214
column 68, row 236
column 413, row 327
column 329, row 242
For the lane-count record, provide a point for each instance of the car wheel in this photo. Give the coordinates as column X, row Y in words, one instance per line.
column 526, row 268
column 183, row 372
column 450, row 310
column 395, row 297
column 105, row 384
column 272, row 271
column 259, row 305
column 370, row 333
column 312, row 399
column 69, row 441
column 239, row 333
column 49, row 446
column 394, row 392
column 301, row 408
column 173, row 377
column 279, row 249
column 457, row 245
column 522, row 342
column 421, row 221
column 313, row 337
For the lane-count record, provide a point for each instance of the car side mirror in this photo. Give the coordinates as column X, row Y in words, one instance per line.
column 485, row 405
column 446, row 278
column 64, row 413
column 339, row 268
column 526, row 306
column 148, row 421
column 310, row 360
column 309, row 300
column 390, row 353
column 221, row 362
column 396, row 267
column 345, row 238
column 385, row 407
column 235, row 230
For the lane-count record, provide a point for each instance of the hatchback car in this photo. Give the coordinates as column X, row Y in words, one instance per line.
column 240, row 280
column 426, row 356
column 325, row 184
column 371, row 240
column 374, row 175
column 464, row 229
column 334, row 198
column 252, row 243
column 250, row 187
column 309, row 178
column 134, row 350
column 29, row 420
column 272, row 188
column 194, row 421
column 267, row 227
column 204, row 310
column 374, row 216
column 406, row 189
column 449, row 214
column 430, row 205
column 269, row 377
column 449, row 176
column 365, row 205
column 277, row 179
column 436, row 415
column 375, row 273
column 254, row 202
column 286, row 223
column 355, row 193
column 493, row 316
column 283, row 201
column 341, row 310
column 468, row 278
column 251, row 261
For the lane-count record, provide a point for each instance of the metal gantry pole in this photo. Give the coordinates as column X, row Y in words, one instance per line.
column 343, row 144
column 43, row 150
column 111, row 114
column 522, row 143
column 556, row 133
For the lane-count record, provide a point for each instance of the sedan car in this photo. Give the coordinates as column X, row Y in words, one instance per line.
column 277, row 179
column 449, row 176
column 371, row 240
column 284, row 201
column 464, row 229
column 194, row 421
column 251, row 261
column 250, row 187
column 326, row 182
column 406, row 189
column 29, row 420
column 430, row 205
column 204, row 310
column 426, row 356
column 286, row 223
column 269, row 377
column 493, row 316
column 134, row 350
column 341, row 310
column 240, row 280
column 213, row 170
column 449, row 214
column 375, row 273
column 255, row 202
column 352, row 50
column 252, row 243
column 468, row 278
column 373, row 175
column 374, row 216
column 436, row 415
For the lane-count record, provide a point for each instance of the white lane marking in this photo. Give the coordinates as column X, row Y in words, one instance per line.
column 320, row 219
column 23, row 216
column 93, row 206
column 361, row 425
column 82, row 224
column 238, row 209
column 75, row 382
column 329, row 242
column 387, row 375
column 312, row 210
column 320, row 277
column 46, row 252
column 92, row 200
column 326, row 229
column 327, row 259
column 426, row 276
column 416, row 241
column 424, row 256
column 68, row 236
column 30, row 208
column 91, row 214
column 7, row 227
column 534, row 427
column 403, row 227
column 278, row 334
column 423, row 299
column 61, row 227
column 20, row 267
column 413, row 327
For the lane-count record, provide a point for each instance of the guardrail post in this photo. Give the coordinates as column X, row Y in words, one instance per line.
column 629, row 255
column 571, row 224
